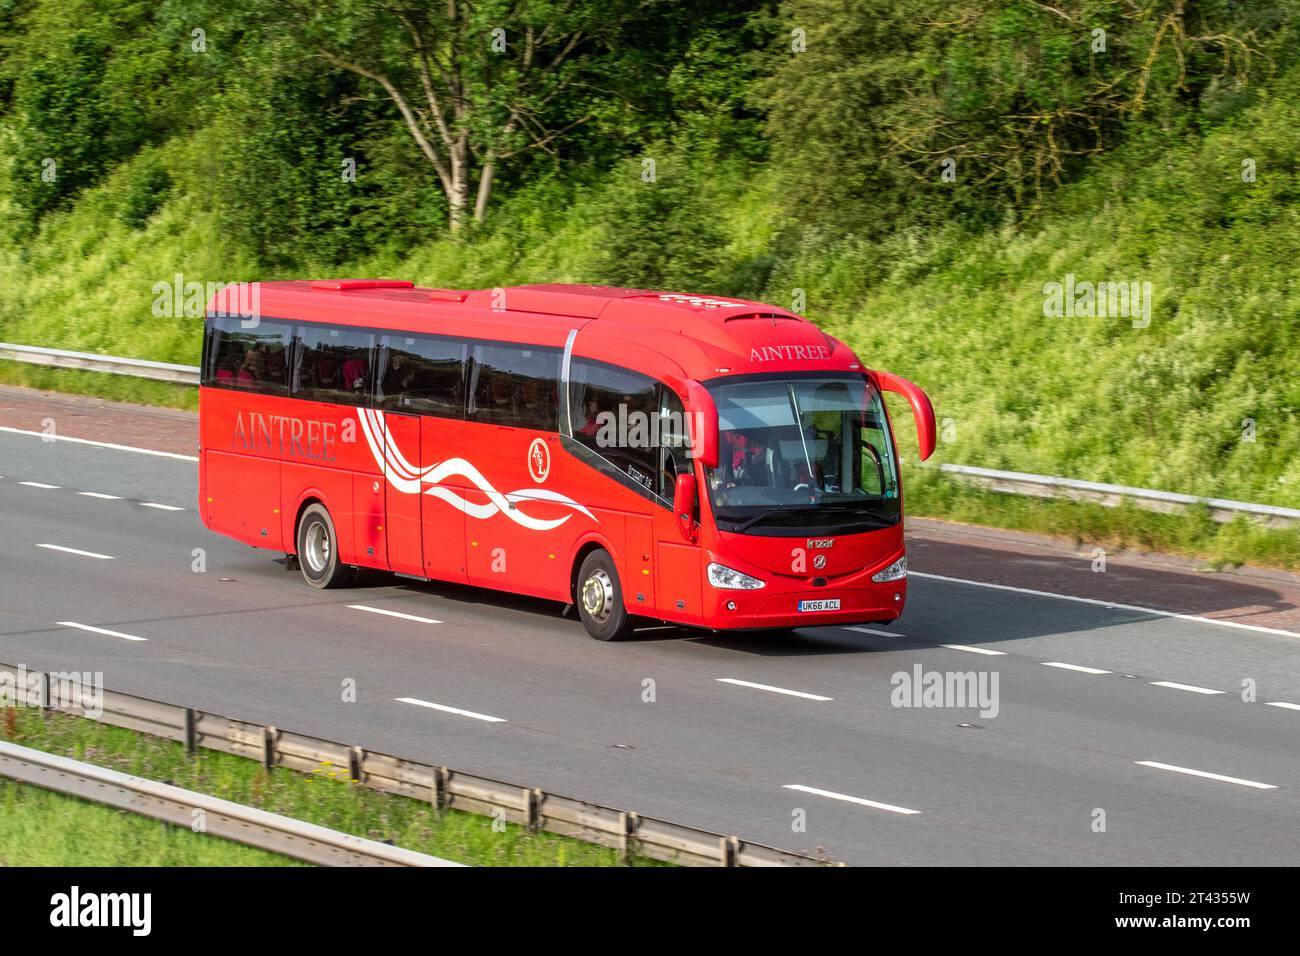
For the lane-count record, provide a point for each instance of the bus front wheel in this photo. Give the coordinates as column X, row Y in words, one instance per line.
column 600, row 599
column 318, row 552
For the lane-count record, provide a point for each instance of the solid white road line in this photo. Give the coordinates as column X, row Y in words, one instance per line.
column 99, row 444
column 872, row 630
column 1075, row 667
column 84, row 554
column 96, row 494
column 974, row 650
column 1110, row 604
column 39, row 484
column 848, row 799
column 404, row 617
column 100, row 630
column 1194, row 690
column 1282, row 703
column 449, row 710
column 1206, row 775
column 775, row 690
column 154, row 504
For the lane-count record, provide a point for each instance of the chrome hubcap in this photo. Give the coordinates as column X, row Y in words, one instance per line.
column 316, row 550
column 598, row 596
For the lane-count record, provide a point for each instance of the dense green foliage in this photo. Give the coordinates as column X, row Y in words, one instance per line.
column 779, row 149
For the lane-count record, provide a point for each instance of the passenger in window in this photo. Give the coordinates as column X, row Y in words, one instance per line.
column 354, row 375
column 252, row 368
column 400, row 376
column 327, row 374
column 275, row 365
column 592, row 426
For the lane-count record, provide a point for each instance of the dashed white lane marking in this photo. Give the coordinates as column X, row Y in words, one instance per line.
column 1193, row 689
column 974, row 650
column 775, row 690
column 1075, row 667
column 154, row 504
column 1282, row 703
column 98, row 494
column 39, row 484
column 99, row 444
column 100, row 630
column 861, row 801
column 1207, row 775
column 387, row 613
column 1111, row 604
column 84, row 554
column 449, row 710
column 871, row 630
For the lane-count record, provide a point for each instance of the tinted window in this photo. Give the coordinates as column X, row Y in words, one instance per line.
column 515, row 386
column 255, row 359
column 615, row 413
column 422, row 375
column 674, row 440
column 332, row 365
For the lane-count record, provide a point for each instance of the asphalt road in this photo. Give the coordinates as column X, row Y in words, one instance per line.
column 245, row 638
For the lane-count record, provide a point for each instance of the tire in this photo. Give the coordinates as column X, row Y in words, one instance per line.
column 600, row 599
column 318, row 551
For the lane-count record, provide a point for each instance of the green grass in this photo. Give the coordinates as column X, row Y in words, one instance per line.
column 324, row 797
column 42, row 828
column 1126, row 528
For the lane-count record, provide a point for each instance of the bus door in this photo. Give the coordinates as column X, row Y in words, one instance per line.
column 441, row 517
column 678, row 588
column 403, row 505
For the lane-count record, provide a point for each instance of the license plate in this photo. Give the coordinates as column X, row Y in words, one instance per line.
column 826, row 604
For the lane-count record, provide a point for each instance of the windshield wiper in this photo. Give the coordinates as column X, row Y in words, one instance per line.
column 750, row 522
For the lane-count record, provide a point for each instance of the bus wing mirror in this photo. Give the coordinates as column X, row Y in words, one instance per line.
column 922, row 410
column 684, row 506
column 703, row 424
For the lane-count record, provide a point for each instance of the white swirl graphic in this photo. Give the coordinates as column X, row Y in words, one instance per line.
column 408, row 479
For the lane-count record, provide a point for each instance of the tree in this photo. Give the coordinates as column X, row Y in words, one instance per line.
column 475, row 83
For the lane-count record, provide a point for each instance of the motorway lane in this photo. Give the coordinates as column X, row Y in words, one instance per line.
column 1017, row 788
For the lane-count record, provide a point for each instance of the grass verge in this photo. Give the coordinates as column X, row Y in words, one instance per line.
column 325, row 797
column 1195, row 534
column 42, row 828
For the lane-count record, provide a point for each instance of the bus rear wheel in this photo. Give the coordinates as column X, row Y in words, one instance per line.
column 318, row 552
column 600, row 599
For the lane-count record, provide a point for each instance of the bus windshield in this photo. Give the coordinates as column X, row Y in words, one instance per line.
column 803, row 453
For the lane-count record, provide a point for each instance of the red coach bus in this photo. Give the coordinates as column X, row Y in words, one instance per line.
column 703, row 461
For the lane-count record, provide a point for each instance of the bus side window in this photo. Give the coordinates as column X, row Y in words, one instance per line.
column 515, row 386
column 674, row 440
column 332, row 364
column 422, row 375
column 254, row 358
column 614, row 413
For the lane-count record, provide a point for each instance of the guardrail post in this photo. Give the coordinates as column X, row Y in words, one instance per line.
column 440, row 795
column 269, row 735
column 356, row 756
column 628, row 824
column 533, row 807
column 730, row 850
column 188, row 731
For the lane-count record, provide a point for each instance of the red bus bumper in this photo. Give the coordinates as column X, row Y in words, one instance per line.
column 776, row 605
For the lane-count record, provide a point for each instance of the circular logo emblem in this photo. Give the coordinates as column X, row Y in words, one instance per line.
column 819, row 562
column 539, row 460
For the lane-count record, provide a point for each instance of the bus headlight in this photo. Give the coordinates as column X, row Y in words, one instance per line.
column 895, row 572
column 721, row 576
